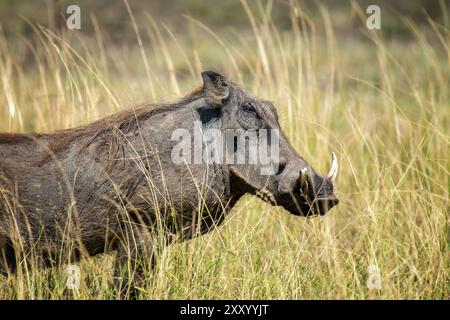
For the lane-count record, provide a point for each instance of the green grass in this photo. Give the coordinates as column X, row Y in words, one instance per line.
column 382, row 105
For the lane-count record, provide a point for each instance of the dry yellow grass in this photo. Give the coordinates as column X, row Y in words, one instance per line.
column 383, row 106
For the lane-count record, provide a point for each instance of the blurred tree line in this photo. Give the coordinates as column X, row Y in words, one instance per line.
column 113, row 17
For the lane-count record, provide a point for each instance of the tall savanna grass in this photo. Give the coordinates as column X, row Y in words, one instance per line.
column 381, row 104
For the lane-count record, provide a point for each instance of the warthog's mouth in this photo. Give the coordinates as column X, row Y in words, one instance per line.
column 301, row 205
column 321, row 205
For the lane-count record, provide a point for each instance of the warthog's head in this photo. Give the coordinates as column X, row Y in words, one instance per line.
column 279, row 175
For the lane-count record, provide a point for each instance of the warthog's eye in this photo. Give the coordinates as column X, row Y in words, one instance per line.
column 249, row 106
column 249, row 117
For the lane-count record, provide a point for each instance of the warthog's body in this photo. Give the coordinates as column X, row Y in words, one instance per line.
column 88, row 176
column 98, row 186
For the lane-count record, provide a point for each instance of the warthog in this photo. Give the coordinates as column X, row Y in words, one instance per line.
column 113, row 185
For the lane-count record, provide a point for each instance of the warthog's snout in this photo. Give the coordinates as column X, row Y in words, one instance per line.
column 302, row 191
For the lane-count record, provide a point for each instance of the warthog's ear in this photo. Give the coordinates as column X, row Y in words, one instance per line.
column 216, row 87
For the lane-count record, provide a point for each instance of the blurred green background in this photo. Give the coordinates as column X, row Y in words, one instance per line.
column 113, row 17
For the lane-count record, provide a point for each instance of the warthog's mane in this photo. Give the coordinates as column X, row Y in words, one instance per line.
column 123, row 121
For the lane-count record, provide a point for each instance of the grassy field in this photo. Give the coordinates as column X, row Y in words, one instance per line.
column 381, row 103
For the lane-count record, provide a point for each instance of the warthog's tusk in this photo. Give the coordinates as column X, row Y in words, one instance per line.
column 302, row 179
column 332, row 174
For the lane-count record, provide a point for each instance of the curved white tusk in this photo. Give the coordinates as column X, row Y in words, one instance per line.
column 302, row 179
column 334, row 168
